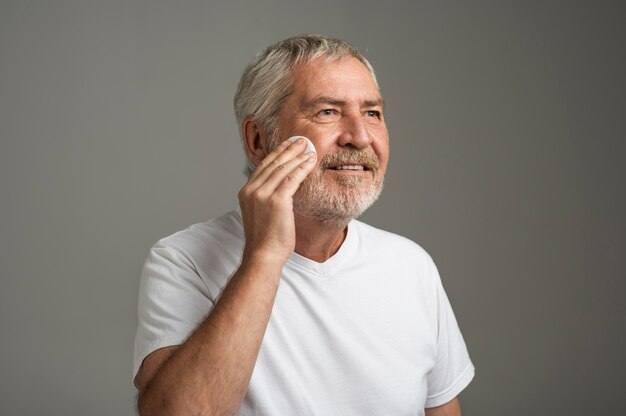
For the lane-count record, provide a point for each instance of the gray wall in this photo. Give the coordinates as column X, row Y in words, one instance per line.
column 507, row 140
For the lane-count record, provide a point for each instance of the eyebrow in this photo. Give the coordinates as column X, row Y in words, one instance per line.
column 333, row 101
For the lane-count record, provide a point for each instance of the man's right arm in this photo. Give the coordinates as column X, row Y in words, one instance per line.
column 209, row 373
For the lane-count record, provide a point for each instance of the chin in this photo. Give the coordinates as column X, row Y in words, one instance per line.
column 347, row 200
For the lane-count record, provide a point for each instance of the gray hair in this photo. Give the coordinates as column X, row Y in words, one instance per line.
column 267, row 82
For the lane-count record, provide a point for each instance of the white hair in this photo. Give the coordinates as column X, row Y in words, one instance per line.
column 267, row 80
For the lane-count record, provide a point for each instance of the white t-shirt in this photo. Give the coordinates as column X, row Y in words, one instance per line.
column 368, row 332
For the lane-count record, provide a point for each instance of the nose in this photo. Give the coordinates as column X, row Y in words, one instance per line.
column 354, row 132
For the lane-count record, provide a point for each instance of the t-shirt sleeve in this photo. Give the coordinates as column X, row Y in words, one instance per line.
column 453, row 369
column 173, row 301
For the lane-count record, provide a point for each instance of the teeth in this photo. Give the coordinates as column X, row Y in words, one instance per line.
column 349, row 167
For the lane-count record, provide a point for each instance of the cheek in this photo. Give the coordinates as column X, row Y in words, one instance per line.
column 381, row 147
column 321, row 147
column 383, row 156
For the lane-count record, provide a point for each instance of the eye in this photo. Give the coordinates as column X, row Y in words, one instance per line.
column 373, row 113
column 326, row 112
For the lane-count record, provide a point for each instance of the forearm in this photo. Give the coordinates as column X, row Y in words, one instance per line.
column 210, row 372
column 452, row 408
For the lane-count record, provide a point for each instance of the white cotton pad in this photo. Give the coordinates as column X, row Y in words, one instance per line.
column 309, row 145
column 309, row 148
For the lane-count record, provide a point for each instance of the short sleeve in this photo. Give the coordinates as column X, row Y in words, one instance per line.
column 173, row 301
column 453, row 369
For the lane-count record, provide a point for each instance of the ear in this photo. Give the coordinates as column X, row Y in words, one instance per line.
column 254, row 140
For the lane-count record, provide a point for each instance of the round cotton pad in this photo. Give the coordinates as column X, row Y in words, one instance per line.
column 309, row 148
column 309, row 145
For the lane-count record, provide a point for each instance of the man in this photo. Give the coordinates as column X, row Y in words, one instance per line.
column 289, row 306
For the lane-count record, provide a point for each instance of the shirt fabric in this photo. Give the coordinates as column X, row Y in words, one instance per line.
column 368, row 332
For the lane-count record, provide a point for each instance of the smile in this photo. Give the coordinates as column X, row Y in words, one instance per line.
column 349, row 167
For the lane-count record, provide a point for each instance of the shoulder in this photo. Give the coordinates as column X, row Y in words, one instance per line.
column 386, row 243
column 225, row 229
column 214, row 237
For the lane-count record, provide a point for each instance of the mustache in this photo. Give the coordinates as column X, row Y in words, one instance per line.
column 351, row 156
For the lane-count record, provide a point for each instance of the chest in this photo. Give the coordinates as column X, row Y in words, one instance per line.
column 358, row 343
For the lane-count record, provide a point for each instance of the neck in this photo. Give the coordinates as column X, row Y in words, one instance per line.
column 317, row 240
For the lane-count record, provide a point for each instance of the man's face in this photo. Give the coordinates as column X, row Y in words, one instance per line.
column 339, row 108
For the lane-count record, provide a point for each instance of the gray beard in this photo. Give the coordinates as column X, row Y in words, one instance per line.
column 339, row 206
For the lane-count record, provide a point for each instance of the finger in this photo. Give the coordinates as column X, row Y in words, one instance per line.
column 269, row 158
column 287, row 179
column 269, row 165
column 290, row 151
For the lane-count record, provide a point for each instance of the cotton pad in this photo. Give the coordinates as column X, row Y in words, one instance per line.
column 309, row 145
column 309, row 148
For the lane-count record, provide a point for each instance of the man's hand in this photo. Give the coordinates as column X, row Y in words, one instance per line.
column 209, row 373
column 266, row 201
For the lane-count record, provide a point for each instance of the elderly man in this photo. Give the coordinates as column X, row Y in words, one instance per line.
column 288, row 305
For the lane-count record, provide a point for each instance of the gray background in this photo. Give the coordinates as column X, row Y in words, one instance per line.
column 507, row 141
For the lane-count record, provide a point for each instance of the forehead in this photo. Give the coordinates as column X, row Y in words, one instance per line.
column 345, row 78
